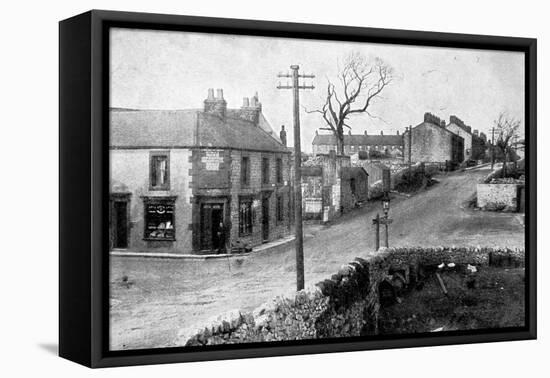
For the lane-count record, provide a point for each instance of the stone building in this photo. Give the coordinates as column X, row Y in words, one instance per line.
column 330, row 186
column 196, row 181
column 431, row 142
column 475, row 143
column 385, row 145
column 457, row 126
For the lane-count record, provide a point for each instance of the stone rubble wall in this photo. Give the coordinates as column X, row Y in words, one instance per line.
column 346, row 304
column 498, row 197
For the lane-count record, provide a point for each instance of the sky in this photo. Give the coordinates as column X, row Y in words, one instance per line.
column 173, row 70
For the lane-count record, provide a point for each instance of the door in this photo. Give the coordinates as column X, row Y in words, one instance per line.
column 265, row 219
column 212, row 227
column 120, row 226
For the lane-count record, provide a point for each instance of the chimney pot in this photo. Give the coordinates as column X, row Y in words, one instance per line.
column 282, row 135
column 219, row 95
column 397, row 132
column 246, row 102
column 211, row 94
column 381, row 132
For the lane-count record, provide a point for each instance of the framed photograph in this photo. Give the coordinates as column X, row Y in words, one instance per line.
column 235, row 188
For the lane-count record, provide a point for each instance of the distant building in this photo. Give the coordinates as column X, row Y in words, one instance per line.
column 330, row 186
column 196, row 181
column 384, row 145
column 433, row 143
column 457, row 126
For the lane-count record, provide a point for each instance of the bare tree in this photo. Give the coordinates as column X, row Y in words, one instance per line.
column 359, row 82
column 506, row 128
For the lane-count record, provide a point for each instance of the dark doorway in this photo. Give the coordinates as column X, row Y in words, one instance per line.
column 265, row 219
column 212, row 227
column 120, row 226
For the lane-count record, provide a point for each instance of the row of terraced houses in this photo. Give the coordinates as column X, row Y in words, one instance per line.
column 432, row 141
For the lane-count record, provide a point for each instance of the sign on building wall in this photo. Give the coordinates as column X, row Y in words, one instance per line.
column 212, row 159
column 313, row 205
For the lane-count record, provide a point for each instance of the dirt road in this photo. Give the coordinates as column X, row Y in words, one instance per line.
column 163, row 295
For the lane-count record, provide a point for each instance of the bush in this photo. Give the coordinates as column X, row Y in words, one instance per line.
column 376, row 190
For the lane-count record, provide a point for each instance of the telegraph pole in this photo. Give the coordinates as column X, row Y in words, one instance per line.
column 410, row 157
column 295, row 75
column 493, row 149
column 515, row 152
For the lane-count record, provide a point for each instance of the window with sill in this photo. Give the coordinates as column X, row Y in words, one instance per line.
column 245, row 171
column 159, row 171
column 159, row 219
column 279, row 171
column 245, row 216
column 280, row 208
column 265, row 170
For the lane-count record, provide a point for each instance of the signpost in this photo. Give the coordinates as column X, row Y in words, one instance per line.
column 385, row 220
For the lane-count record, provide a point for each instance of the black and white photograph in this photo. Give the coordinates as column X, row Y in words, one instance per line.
column 275, row 189
column 267, row 189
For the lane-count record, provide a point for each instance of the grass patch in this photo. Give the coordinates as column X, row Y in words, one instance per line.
column 491, row 298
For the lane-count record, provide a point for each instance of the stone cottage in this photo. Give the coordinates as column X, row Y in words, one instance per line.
column 330, row 186
column 432, row 142
column 196, row 181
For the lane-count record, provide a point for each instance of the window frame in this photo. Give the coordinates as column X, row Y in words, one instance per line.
column 152, row 156
column 159, row 201
column 245, row 171
column 265, row 170
column 279, row 170
column 280, row 208
column 248, row 229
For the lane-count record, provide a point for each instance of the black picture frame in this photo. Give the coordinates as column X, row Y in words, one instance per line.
column 84, row 185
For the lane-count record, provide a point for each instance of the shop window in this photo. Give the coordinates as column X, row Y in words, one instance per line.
column 159, row 171
column 159, row 219
column 245, row 217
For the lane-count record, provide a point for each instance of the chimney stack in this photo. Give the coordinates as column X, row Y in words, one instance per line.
column 251, row 109
column 215, row 105
column 443, row 123
column 282, row 135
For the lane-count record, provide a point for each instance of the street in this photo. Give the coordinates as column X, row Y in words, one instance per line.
column 151, row 299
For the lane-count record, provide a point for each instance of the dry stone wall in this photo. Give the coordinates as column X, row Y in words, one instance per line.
column 346, row 304
column 498, row 197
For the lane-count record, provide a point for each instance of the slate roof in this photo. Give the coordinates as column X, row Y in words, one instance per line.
column 424, row 124
column 361, row 139
column 186, row 129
